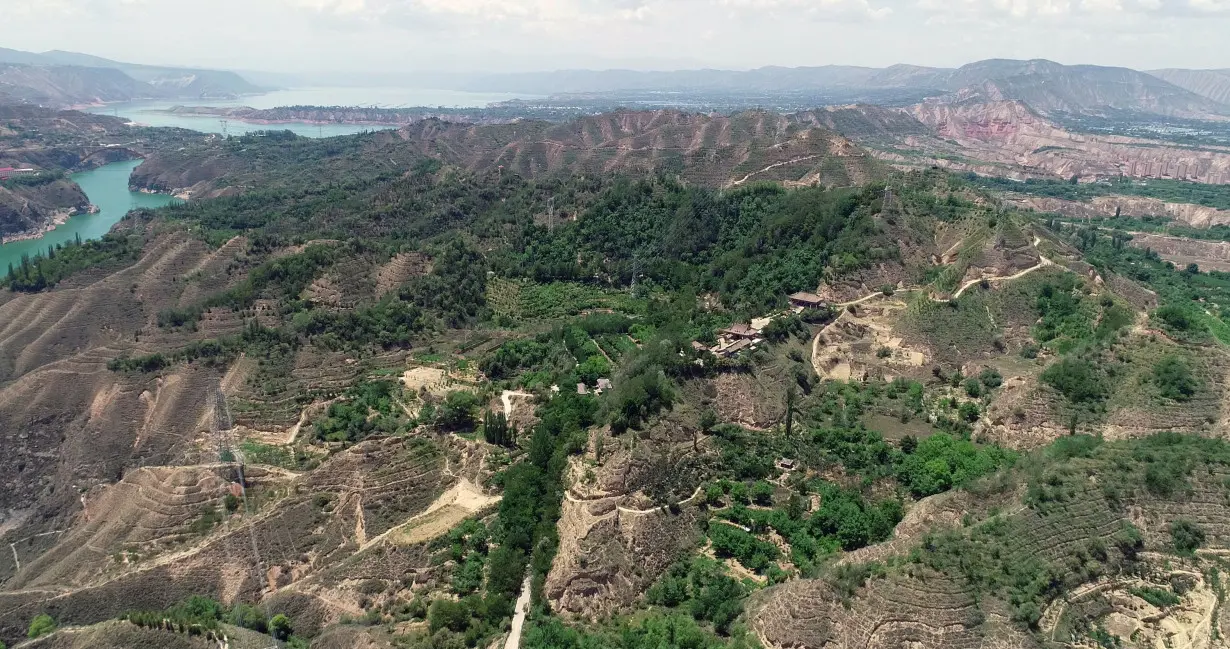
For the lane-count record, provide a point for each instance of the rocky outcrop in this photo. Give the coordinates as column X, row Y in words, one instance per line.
column 1011, row 134
column 1197, row 216
column 30, row 209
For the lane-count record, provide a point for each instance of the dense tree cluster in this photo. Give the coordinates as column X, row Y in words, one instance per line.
column 44, row 271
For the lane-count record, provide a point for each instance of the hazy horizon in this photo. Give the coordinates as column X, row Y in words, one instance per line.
column 404, row 37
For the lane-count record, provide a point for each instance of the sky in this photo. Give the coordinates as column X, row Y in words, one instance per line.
column 412, row 36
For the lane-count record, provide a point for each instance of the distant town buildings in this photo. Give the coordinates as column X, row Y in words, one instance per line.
column 9, row 172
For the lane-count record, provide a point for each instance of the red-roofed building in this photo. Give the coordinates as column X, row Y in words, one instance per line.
column 9, row 172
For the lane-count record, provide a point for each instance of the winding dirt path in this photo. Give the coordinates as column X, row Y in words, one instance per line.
column 636, row 512
column 1043, row 262
column 773, row 166
column 453, row 506
column 507, row 396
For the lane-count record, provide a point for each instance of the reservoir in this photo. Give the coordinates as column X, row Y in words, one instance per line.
column 153, row 113
column 107, row 188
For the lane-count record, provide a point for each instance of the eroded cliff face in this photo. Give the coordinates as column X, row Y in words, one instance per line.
column 1197, row 216
column 1011, row 133
column 30, row 209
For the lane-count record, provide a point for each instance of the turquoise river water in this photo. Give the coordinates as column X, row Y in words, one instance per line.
column 106, row 187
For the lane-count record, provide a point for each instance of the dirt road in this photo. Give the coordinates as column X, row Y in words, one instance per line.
column 523, row 607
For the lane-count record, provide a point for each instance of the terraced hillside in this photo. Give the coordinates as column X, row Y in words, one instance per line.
column 1066, row 560
column 686, row 410
column 709, row 150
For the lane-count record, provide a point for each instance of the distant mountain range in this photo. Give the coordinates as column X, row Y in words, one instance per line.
column 1214, row 84
column 1046, row 86
column 59, row 78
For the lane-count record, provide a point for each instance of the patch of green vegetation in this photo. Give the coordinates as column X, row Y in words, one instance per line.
column 1017, row 559
column 1174, row 379
column 366, row 409
column 200, row 615
column 1171, row 191
column 40, row 626
column 652, row 631
column 1079, row 380
column 43, row 271
column 701, row 587
column 1186, row 536
column 1191, row 303
column 1158, row 597
column 732, row 542
column 255, row 452
column 844, row 521
column 1066, row 316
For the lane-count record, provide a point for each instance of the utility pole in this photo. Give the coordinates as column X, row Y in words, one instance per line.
column 224, row 124
column 551, row 214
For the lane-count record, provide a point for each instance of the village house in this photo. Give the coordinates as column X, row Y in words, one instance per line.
column 740, row 331
column 732, row 350
column 806, row 300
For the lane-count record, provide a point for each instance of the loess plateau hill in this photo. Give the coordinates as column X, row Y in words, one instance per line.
column 694, row 381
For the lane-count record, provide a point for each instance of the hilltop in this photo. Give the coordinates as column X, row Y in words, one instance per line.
column 60, row 79
column 709, row 150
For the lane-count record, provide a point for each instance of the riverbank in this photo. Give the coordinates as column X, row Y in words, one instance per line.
column 105, row 188
column 58, row 218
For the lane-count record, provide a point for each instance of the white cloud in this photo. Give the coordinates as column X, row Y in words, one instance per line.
column 395, row 35
column 816, row 9
column 1210, row 6
column 332, row 6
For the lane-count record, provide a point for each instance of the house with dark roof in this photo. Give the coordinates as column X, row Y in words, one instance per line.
column 807, row 300
column 740, row 331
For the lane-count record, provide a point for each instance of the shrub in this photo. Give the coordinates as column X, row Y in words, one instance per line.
column 1077, row 379
column 1174, row 379
column 40, row 626
column 973, row 387
column 1175, row 318
column 279, row 627
column 969, row 411
column 1156, row 596
column 1186, row 536
column 991, row 379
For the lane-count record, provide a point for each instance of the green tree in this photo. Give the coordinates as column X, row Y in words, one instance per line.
column 457, row 412
column 1077, row 379
column 1185, row 535
column 1174, row 379
column 496, row 430
column 762, row 493
column 279, row 627
column 41, row 625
